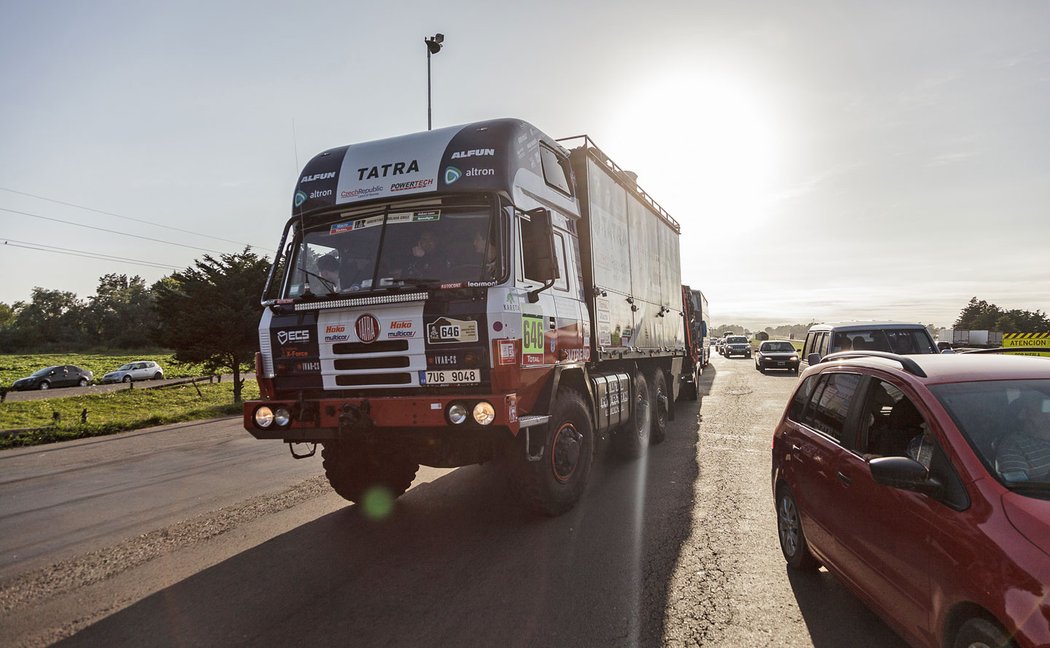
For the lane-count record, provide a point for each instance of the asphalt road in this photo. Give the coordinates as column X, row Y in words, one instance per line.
column 201, row 535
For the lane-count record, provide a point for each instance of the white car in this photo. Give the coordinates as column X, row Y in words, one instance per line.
column 138, row 370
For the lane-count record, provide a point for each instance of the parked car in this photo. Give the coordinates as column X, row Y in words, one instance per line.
column 776, row 354
column 736, row 345
column 57, row 376
column 923, row 483
column 904, row 338
column 138, row 370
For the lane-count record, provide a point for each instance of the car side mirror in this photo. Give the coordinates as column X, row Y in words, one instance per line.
column 813, row 359
column 904, row 473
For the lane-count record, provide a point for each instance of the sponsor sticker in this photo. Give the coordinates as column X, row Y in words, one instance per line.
column 426, row 216
column 328, row 175
column 363, row 192
column 300, row 198
column 308, row 366
column 446, row 330
column 389, row 169
column 485, row 152
column 506, row 352
column 452, row 174
column 339, row 228
column 296, row 336
column 409, row 186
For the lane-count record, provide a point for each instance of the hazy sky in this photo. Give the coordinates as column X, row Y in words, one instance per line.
column 827, row 160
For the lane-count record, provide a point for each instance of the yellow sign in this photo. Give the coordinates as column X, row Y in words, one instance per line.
column 1023, row 340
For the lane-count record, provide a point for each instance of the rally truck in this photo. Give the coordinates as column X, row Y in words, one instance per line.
column 697, row 342
column 464, row 295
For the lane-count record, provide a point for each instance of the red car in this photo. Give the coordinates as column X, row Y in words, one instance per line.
column 923, row 483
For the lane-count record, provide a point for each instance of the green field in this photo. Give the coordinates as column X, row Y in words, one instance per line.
column 13, row 367
column 118, row 411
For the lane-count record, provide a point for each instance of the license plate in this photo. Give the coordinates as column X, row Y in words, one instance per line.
column 453, row 377
column 781, row 363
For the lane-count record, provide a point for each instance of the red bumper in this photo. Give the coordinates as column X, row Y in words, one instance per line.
column 323, row 415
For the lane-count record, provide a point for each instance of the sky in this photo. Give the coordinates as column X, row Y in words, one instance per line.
column 827, row 160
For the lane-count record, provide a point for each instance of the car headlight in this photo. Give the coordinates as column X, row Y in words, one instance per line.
column 264, row 417
column 457, row 413
column 484, row 413
column 282, row 417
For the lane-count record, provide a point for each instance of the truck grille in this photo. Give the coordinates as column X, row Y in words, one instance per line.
column 370, row 365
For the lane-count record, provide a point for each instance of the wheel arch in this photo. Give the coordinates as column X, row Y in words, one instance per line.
column 959, row 614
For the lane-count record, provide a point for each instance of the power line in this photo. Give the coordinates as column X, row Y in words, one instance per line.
column 40, row 247
column 103, row 229
column 107, row 213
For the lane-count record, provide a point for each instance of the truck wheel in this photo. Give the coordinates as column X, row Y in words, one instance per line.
column 692, row 391
column 554, row 484
column 632, row 439
column 658, row 388
column 353, row 472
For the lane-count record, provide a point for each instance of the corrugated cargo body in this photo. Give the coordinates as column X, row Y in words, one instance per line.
column 469, row 294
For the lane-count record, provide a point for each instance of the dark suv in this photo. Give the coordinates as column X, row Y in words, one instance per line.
column 923, row 483
column 737, row 345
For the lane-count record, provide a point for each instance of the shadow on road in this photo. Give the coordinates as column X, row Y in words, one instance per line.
column 456, row 564
column 835, row 617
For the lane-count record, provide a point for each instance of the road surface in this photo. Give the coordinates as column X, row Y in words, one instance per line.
column 200, row 535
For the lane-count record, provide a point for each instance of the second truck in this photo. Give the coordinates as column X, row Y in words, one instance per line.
column 470, row 294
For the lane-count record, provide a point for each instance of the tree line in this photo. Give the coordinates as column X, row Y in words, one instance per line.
column 207, row 313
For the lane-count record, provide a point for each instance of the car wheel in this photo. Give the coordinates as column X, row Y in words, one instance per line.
column 44, row 385
column 158, row 376
column 83, row 382
column 982, row 633
column 126, row 379
column 789, row 527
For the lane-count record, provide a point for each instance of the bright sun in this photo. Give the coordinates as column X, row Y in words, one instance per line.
column 705, row 141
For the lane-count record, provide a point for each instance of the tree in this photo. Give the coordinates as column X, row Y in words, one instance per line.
column 979, row 315
column 209, row 313
column 54, row 319
column 122, row 312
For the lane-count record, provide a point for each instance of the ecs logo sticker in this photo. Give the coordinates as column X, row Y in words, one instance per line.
column 302, row 335
column 452, row 174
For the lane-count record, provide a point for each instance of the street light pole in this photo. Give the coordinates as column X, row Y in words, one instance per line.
column 433, row 47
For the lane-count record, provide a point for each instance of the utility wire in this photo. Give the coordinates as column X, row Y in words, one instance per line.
column 137, row 220
column 103, row 229
column 40, row 247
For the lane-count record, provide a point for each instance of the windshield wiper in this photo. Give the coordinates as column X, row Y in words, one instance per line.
column 1030, row 488
column 328, row 284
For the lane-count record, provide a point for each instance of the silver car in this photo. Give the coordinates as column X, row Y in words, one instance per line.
column 138, row 370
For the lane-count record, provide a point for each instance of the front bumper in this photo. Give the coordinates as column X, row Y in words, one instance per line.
column 320, row 419
column 738, row 351
column 778, row 363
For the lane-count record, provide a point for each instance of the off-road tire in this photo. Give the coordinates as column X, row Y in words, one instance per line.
column 632, row 439
column 660, row 415
column 690, row 391
column 352, row 471
column 554, row 484
column 789, row 530
column 979, row 632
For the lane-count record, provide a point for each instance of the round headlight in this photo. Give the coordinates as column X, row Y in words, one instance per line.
column 457, row 413
column 282, row 416
column 484, row 413
column 264, row 417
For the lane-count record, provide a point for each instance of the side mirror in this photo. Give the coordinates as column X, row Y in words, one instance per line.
column 813, row 359
column 537, row 241
column 903, row 473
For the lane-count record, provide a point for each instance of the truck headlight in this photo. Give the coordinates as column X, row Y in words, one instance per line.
column 484, row 413
column 264, row 417
column 457, row 413
column 282, row 417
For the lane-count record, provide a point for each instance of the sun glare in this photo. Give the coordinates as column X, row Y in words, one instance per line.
column 708, row 142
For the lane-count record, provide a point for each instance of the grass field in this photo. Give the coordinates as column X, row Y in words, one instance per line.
column 13, row 367
column 119, row 411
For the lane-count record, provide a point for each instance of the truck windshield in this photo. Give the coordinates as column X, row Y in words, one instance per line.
column 425, row 245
